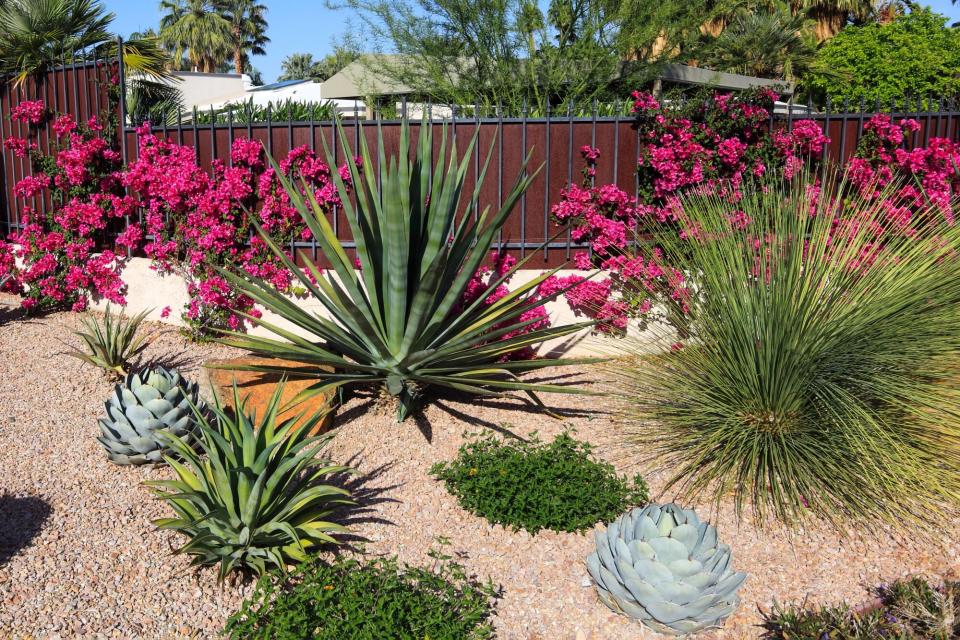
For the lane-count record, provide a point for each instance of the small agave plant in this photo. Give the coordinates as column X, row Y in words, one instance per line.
column 664, row 567
column 256, row 500
column 143, row 407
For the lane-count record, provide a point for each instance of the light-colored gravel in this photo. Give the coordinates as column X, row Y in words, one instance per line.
column 79, row 558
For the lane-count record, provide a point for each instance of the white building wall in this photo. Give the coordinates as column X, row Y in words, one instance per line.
column 203, row 89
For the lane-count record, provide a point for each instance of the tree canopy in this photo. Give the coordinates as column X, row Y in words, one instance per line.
column 495, row 51
column 915, row 55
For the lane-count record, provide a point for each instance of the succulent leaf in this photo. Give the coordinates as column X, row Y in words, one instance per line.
column 141, row 409
column 663, row 566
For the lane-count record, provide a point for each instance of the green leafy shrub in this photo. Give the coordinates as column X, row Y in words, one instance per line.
column 808, row 379
column 256, row 501
column 534, row 486
column 910, row 610
column 916, row 55
column 401, row 321
column 378, row 600
column 113, row 344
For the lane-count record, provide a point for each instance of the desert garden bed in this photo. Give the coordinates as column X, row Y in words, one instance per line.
column 79, row 557
column 782, row 430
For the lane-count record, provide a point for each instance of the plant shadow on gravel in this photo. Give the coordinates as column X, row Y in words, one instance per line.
column 21, row 520
column 171, row 361
column 366, row 493
column 10, row 313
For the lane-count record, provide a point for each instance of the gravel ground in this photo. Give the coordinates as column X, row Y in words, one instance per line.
column 79, row 558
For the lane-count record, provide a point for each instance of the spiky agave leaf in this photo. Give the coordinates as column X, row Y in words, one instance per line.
column 256, row 501
column 397, row 321
column 820, row 375
column 113, row 344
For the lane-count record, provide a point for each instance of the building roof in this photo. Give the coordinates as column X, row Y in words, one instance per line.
column 682, row 74
column 359, row 79
column 279, row 85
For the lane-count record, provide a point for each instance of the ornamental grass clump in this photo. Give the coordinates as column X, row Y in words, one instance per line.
column 535, row 485
column 400, row 321
column 909, row 609
column 815, row 372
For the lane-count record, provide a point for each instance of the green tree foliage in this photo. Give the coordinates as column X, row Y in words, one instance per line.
column 915, row 55
column 765, row 44
column 36, row 35
column 197, row 29
column 831, row 16
column 302, row 66
column 496, row 51
column 298, row 66
column 248, row 30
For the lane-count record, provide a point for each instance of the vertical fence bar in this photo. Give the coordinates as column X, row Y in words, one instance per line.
column 122, row 82
column 97, row 80
column 76, row 96
column 4, row 93
column 335, row 147
column 88, row 98
column 230, row 133
column 939, row 116
column 19, row 94
column 476, row 151
column 313, row 148
column 213, row 137
column 179, row 126
column 826, row 127
column 546, row 190
column 569, row 163
column 196, row 136
column 499, row 171
column 860, row 123
column 523, row 198
column 843, row 130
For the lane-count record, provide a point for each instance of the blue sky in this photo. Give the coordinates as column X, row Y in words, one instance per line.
column 295, row 26
column 304, row 26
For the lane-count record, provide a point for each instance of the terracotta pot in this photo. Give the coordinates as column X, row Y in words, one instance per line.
column 257, row 387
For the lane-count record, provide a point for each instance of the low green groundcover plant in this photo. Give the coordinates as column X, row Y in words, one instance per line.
column 377, row 600
column 534, row 486
column 910, row 610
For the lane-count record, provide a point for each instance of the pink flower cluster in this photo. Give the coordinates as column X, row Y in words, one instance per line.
column 712, row 150
column 60, row 266
column 478, row 285
column 714, row 147
column 197, row 222
column 20, row 147
column 32, row 112
column 927, row 174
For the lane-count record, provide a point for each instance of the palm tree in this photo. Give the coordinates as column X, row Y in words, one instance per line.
column 248, row 29
column 299, row 66
column 196, row 28
column 832, row 15
column 37, row 35
column 764, row 44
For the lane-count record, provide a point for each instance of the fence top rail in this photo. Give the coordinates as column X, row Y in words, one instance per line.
column 467, row 120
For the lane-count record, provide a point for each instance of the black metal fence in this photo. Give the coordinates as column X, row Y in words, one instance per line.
column 552, row 137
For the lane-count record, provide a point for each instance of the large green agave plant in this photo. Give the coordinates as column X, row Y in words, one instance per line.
column 398, row 321
column 255, row 502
